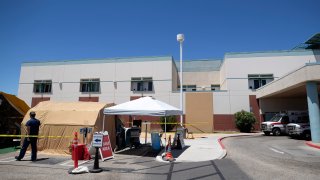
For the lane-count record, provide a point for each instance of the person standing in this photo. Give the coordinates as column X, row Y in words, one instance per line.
column 32, row 130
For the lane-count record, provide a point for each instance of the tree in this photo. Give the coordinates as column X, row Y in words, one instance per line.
column 244, row 120
column 171, row 122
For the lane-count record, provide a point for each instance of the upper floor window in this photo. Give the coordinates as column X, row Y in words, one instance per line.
column 258, row 80
column 42, row 86
column 215, row 87
column 90, row 85
column 188, row 88
column 141, row 84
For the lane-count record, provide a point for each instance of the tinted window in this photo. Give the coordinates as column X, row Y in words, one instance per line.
column 285, row 120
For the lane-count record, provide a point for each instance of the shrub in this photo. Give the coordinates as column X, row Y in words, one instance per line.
column 244, row 121
column 171, row 122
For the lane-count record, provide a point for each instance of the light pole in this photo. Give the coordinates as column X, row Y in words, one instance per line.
column 180, row 38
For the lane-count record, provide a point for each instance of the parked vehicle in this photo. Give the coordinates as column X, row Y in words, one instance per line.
column 300, row 128
column 277, row 124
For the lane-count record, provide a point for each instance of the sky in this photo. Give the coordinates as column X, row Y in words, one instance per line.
column 57, row 30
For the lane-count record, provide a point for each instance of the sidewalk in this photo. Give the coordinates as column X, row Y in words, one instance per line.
column 204, row 147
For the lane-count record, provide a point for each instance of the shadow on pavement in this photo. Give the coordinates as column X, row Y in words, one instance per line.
column 143, row 150
column 50, row 161
column 228, row 169
column 42, row 159
column 215, row 169
column 177, row 152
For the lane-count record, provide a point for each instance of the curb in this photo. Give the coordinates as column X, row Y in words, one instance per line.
column 223, row 154
column 309, row 143
column 223, row 147
column 220, row 142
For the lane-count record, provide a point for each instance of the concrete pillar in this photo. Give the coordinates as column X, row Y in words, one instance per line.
column 314, row 112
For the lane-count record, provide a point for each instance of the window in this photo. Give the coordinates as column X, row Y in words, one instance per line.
column 302, row 119
column 257, row 80
column 89, row 85
column 42, row 86
column 188, row 88
column 285, row 120
column 215, row 87
column 141, row 84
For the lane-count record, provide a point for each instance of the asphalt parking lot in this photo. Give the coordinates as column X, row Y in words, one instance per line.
column 57, row 166
column 263, row 152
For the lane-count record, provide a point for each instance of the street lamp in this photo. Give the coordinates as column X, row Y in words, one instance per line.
column 180, row 38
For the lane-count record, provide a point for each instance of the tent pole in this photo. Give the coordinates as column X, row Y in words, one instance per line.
column 165, row 133
column 103, row 122
column 145, row 137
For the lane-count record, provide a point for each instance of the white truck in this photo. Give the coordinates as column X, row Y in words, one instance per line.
column 300, row 128
column 277, row 124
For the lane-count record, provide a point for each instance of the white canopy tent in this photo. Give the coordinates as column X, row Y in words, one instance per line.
column 144, row 106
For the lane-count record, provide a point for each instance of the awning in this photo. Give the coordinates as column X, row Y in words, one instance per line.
column 143, row 106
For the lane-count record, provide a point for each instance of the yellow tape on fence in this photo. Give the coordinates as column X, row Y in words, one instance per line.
column 170, row 123
column 8, row 135
column 179, row 123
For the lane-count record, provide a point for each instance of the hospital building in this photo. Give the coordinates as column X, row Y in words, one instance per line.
column 263, row 83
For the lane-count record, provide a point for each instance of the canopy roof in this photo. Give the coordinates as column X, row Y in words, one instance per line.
column 311, row 43
column 315, row 39
column 143, row 106
column 16, row 103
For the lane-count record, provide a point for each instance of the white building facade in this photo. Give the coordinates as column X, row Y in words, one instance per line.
column 105, row 80
column 213, row 89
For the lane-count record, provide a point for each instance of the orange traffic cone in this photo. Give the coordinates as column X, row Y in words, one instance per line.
column 75, row 150
column 168, row 156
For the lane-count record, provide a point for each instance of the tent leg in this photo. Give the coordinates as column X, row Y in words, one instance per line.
column 165, row 133
column 104, row 116
column 145, row 138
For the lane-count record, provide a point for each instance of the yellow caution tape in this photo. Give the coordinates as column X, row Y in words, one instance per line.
column 179, row 123
column 172, row 123
column 8, row 135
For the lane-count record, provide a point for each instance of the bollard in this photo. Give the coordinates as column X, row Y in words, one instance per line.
column 179, row 146
column 75, row 150
column 96, row 168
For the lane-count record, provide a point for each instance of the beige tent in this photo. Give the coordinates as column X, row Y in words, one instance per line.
column 12, row 111
column 65, row 118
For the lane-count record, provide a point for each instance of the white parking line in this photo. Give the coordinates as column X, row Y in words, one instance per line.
column 276, row 151
column 70, row 163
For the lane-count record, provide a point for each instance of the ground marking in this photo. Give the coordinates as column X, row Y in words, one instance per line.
column 276, row 151
column 70, row 163
column 10, row 159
